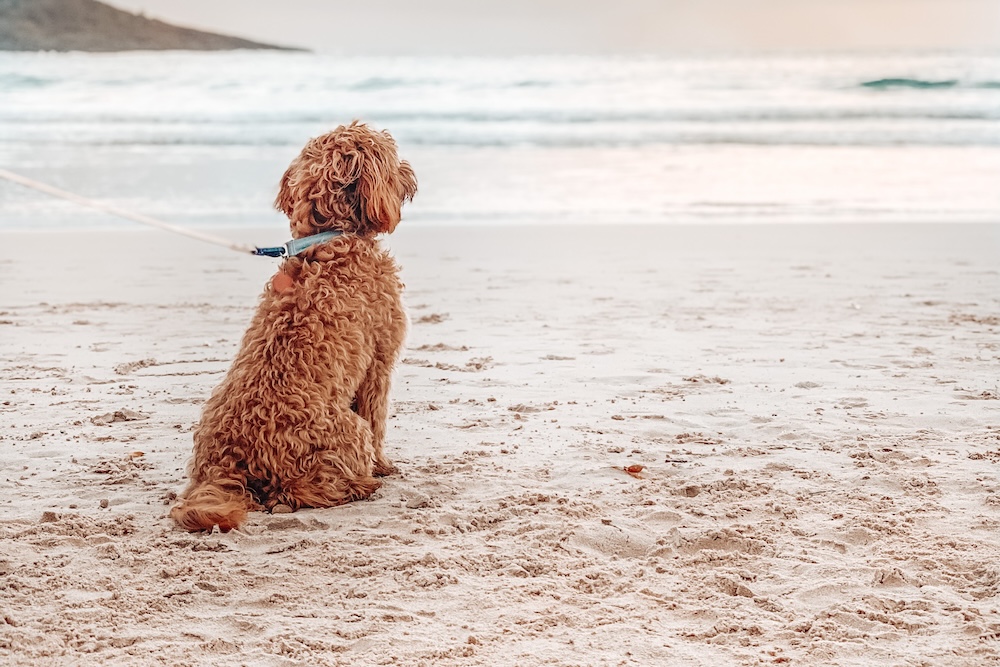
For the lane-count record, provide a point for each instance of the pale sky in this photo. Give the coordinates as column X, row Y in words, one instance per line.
column 590, row 26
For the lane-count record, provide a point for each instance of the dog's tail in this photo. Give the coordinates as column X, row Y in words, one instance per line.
column 212, row 503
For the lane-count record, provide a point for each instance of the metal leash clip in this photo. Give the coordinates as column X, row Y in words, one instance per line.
column 270, row 252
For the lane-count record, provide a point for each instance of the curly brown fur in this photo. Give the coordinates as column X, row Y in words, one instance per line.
column 300, row 417
column 349, row 179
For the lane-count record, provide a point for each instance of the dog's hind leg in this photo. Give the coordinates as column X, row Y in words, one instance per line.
column 338, row 472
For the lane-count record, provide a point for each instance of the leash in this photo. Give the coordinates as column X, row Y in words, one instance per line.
column 135, row 217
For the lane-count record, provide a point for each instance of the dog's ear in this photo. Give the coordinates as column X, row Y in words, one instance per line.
column 407, row 180
column 283, row 202
column 384, row 184
column 292, row 199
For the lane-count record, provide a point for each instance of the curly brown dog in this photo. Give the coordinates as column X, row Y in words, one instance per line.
column 300, row 417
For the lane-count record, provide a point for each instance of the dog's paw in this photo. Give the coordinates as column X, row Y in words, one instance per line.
column 384, row 468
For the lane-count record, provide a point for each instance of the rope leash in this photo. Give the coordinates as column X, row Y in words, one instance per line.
column 124, row 213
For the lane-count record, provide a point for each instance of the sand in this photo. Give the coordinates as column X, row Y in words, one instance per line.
column 814, row 408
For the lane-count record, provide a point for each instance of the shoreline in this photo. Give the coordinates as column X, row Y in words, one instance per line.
column 234, row 186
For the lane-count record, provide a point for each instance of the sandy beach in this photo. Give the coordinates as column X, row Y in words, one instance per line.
column 814, row 409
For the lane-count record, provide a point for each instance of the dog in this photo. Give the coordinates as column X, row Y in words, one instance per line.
column 300, row 418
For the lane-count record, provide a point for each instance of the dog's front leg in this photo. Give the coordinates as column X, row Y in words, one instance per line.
column 373, row 406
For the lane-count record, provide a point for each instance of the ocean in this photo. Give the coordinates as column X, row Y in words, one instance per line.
column 201, row 139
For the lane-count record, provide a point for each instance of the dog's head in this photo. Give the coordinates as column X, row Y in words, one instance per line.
column 348, row 180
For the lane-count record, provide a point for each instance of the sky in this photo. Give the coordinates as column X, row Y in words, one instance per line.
column 504, row 27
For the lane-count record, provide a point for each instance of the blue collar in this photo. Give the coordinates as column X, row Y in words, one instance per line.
column 296, row 246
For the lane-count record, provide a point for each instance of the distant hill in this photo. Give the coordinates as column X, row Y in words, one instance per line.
column 87, row 25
